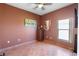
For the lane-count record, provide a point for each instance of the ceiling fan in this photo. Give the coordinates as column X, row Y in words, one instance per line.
column 41, row 5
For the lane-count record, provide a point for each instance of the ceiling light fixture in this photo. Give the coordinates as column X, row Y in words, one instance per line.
column 40, row 5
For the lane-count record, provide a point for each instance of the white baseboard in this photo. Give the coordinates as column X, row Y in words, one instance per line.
column 14, row 46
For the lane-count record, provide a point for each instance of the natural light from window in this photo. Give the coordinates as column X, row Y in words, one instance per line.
column 63, row 29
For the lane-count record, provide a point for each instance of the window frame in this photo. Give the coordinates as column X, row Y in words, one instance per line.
column 64, row 29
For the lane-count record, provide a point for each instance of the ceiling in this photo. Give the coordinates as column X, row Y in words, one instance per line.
column 48, row 8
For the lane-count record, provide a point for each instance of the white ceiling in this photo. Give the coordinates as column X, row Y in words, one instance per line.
column 30, row 7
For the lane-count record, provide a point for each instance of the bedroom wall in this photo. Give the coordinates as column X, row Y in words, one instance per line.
column 12, row 26
column 52, row 34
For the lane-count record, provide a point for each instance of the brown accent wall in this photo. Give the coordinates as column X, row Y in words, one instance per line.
column 52, row 34
column 12, row 26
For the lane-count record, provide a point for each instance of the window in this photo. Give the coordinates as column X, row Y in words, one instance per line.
column 63, row 29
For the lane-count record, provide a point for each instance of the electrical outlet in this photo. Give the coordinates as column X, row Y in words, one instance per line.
column 46, row 36
column 18, row 40
column 8, row 41
column 50, row 37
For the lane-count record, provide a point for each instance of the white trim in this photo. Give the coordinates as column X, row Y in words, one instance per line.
column 14, row 46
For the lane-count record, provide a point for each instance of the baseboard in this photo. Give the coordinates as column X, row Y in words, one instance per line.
column 14, row 46
column 59, row 44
